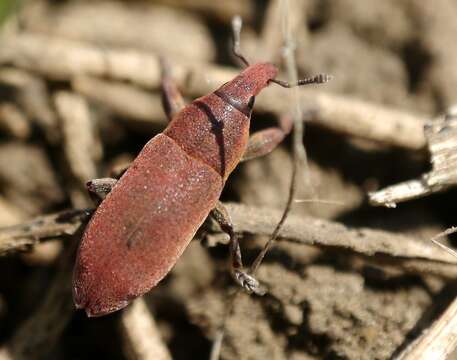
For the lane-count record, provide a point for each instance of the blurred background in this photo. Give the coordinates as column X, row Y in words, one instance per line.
column 80, row 96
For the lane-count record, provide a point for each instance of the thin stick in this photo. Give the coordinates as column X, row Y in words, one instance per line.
column 438, row 342
column 320, row 201
column 81, row 144
column 219, row 339
column 142, row 340
column 446, row 232
column 237, row 23
column 22, row 236
column 298, row 150
column 217, row 345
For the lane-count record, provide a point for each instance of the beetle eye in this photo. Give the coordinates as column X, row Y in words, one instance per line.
column 251, row 102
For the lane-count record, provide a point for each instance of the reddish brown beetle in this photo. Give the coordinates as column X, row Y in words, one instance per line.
column 152, row 212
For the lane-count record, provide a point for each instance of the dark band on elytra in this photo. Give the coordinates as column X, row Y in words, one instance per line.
column 245, row 109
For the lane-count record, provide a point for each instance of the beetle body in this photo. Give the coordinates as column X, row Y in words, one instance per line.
column 147, row 220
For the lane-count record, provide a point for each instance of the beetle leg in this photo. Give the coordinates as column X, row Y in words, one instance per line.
column 99, row 188
column 246, row 281
column 171, row 97
column 265, row 141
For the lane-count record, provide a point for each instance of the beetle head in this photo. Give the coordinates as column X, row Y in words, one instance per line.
column 243, row 89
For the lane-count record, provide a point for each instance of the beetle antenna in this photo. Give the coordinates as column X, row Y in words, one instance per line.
column 317, row 79
column 237, row 23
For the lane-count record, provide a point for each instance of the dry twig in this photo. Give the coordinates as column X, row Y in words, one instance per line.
column 312, row 231
column 20, row 237
column 441, row 135
column 366, row 120
column 257, row 221
column 126, row 100
column 437, row 342
column 63, row 59
column 142, row 338
column 81, row 144
column 398, row 266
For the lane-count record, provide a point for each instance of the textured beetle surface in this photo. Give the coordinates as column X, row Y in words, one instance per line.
column 142, row 227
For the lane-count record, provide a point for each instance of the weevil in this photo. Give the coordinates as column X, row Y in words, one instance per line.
column 151, row 213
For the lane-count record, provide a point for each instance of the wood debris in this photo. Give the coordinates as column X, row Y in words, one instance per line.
column 441, row 135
